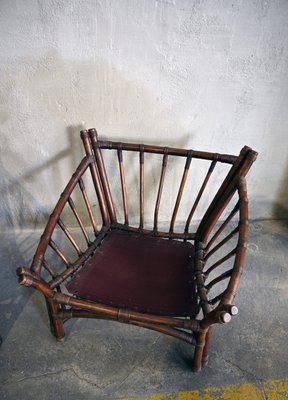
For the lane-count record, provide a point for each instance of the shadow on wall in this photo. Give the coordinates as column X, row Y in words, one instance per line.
column 103, row 97
column 280, row 207
column 88, row 90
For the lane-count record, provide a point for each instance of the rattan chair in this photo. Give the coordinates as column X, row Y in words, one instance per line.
column 166, row 277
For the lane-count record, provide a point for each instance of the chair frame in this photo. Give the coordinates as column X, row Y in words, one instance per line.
column 195, row 331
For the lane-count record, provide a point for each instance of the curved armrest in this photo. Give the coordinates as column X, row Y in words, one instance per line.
column 54, row 217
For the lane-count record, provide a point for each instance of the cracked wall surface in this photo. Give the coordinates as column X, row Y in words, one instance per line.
column 197, row 74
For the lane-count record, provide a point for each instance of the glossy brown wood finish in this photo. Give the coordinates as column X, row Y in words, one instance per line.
column 88, row 205
column 180, row 191
column 141, row 159
column 160, row 189
column 69, row 236
column 123, row 185
column 214, row 263
column 95, row 177
column 79, row 220
column 199, row 195
column 102, row 172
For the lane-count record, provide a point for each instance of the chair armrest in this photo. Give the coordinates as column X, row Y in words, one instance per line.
column 54, row 217
column 230, row 265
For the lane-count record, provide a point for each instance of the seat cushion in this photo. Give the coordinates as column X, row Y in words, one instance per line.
column 139, row 272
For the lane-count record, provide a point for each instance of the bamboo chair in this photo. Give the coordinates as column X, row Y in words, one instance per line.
column 174, row 281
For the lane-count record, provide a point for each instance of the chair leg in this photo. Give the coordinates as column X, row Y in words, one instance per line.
column 56, row 323
column 205, row 354
column 50, row 316
column 198, row 353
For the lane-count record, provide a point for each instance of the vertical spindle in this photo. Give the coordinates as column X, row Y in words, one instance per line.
column 210, row 170
column 123, row 184
column 88, row 205
column 103, row 175
column 180, row 191
column 160, row 188
column 141, row 159
column 78, row 218
column 95, row 178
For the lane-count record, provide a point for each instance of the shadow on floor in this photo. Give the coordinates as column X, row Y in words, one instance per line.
column 280, row 206
column 18, row 249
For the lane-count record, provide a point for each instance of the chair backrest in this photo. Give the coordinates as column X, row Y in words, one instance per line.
column 152, row 164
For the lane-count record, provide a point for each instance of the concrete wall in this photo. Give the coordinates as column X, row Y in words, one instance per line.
column 209, row 75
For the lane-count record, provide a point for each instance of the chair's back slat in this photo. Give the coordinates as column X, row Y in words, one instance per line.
column 222, row 243
column 49, row 268
column 59, row 253
column 199, row 195
column 91, row 227
column 222, row 227
column 123, row 185
column 103, row 175
column 69, row 236
column 180, row 191
column 141, row 160
column 95, row 178
column 160, row 189
column 79, row 220
column 88, row 205
column 220, row 262
column 218, row 279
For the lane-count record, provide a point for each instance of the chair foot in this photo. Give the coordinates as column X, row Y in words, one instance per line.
column 60, row 339
column 197, row 363
column 58, row 336
column 205, row 360
column 196, row 369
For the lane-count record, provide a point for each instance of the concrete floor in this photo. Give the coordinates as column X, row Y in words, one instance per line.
column 106, row 360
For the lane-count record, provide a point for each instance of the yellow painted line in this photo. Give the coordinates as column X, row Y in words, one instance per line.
column 276, row 390
column 267, row 390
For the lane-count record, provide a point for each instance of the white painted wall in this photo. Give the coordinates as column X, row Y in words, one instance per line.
column 209, row 75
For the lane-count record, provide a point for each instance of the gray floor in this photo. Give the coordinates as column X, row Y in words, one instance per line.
column 105, row 360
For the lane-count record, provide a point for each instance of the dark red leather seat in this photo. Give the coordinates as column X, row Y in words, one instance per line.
column 144, row 273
